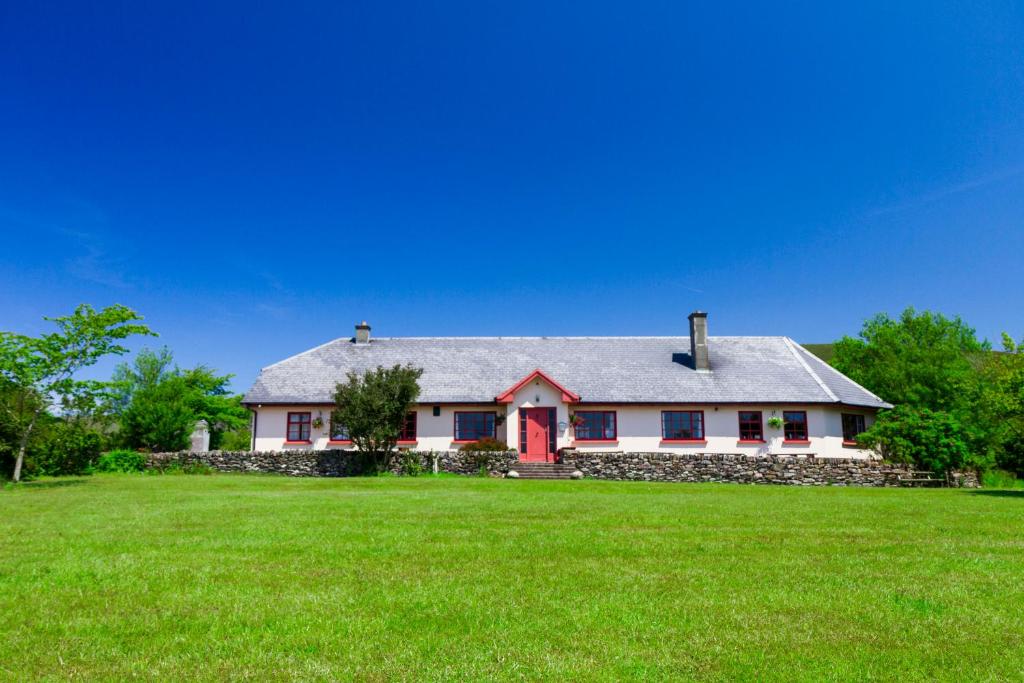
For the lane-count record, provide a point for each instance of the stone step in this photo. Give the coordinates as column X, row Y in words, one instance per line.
column 543, row 470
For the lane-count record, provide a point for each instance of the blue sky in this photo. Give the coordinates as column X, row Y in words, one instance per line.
column 255, row 179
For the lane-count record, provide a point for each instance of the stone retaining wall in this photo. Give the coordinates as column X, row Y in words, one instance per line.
column 745, row 469
column 333, row 463
column 690, row 467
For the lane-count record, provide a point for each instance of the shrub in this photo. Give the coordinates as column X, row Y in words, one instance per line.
column 70, row 448
column 409, row 464
column 121, row 460
column 235, row 440
column 1001, row 479
column 485, row 445
column 928, row 439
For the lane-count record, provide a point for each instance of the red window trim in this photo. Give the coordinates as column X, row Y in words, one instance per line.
column 308, row 424
column 760, row 420
column 595, row 442
column 455, row 424
column 850, row 443
column 335, row 442
column 842, row 424
column 796, row 442
column 306, row 441
column 407, row 442
column 750, row 441
column 615, row 427
column 415, row 429
column 807, row 428
column 703, row 427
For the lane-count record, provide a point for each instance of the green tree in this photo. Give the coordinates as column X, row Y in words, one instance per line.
column 158, row 404
column 158, row 418
column 924, row 360
column 41, row 370
column 373, row 408
column 1000, row 405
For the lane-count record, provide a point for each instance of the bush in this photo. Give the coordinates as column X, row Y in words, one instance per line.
column 235, row 440
column 70, row 448
column 121, row 460
column 485, row 445
column 409, row 464
column 1001, row 479
column 929, row 439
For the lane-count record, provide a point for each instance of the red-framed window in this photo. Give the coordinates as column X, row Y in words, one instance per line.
column 751, row 426
column 682, row 425
column 339, row 432
column 795, row 428
column 408, row 432
column 475, row 426
column 298, row 426
column 595, row 425
column 852, row 426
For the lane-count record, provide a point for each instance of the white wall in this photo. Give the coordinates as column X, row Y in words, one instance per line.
column 433, row 433
column 639, row 427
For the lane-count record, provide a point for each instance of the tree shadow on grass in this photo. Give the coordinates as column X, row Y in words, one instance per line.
column 1000, row 493
column 60, row 483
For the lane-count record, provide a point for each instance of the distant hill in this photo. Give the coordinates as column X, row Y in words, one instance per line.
column 822, row 351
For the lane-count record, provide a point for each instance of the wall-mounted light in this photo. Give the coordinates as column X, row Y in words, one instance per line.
column 562, row 426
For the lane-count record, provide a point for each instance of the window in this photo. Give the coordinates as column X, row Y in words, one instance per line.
column 852, row 426
column 594, row 425
column 408, row 432
column 474, row 426
column 795, row 425
column 339, row 432
column 298, row 426
column 750, row 426
column 682, row 425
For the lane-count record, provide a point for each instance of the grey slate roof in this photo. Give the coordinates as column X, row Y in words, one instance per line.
column 599, row 369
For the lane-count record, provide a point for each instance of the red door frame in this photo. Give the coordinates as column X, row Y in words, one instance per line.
column 533, row 418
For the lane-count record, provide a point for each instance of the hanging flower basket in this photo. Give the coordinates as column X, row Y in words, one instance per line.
column 775, row 422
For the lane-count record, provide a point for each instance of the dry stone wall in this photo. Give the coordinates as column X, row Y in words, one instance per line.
column 745, row 469
column 334, row 463
column 692, row 467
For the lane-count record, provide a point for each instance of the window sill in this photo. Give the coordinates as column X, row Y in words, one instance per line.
column 685, row 442
column 596, row 442
column 460, row 441
column 334, row 442
column 750, row 442
column 406, row 442
column 297, row 443
column 850, row 444
column 797, row 442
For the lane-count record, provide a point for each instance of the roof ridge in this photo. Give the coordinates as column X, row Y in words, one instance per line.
column 303, row 353
column 556, row 336
column 821, row 383
column 836, row 372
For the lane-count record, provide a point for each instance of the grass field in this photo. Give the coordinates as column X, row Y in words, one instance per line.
column 261, row 577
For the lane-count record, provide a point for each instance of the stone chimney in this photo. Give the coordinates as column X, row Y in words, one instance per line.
column 362, row 333
column 699, row 341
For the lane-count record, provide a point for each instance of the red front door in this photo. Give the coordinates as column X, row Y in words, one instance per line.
column 537, row 445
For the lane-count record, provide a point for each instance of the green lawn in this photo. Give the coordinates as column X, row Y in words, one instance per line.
column 233, row 576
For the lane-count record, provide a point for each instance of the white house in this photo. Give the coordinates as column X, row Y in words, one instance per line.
column 696, row 394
